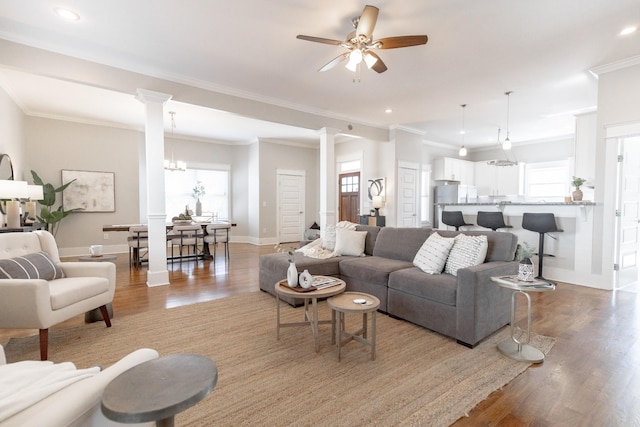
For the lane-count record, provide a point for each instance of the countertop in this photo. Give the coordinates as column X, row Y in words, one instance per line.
column 508, row 203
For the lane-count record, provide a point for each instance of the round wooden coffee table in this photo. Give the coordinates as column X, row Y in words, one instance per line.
column 158, row 389
column 354, row 302
column 310, row 317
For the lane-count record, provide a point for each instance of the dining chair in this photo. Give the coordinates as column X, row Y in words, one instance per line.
column 138, row 242
column 218, row 233
column 186, row 237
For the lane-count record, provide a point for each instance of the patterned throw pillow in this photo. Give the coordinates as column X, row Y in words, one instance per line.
column 432, row 256
column 467, row 251
column 37, row 265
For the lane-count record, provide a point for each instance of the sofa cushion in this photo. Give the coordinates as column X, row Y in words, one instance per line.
column 350, row 242
column 400, row 243
column 440, row 288
column 466, row 252
column 71, row 290
column 374, row 270
column 432, row 256
column 37, row 265
column 372, row 235
column 278, row 264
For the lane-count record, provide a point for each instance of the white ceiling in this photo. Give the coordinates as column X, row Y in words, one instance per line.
column 541, row 50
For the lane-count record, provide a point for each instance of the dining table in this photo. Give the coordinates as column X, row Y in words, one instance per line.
column 205, row 254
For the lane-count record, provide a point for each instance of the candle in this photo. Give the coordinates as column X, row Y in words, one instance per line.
column 13, row 214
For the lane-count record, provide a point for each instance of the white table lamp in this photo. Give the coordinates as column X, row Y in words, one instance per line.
column 10, row 189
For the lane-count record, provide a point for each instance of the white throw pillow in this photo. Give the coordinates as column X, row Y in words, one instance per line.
column 350, row 242
column 466, row 252
column 433, row 254
column 329, row 240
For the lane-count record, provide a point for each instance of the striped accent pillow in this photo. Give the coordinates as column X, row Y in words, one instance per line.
column 37, row 265
column 432, row 256
column 467, row 251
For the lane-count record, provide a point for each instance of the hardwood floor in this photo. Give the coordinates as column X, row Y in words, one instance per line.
column 589, row 378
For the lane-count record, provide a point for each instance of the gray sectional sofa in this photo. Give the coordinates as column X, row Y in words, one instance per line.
column 468, row 307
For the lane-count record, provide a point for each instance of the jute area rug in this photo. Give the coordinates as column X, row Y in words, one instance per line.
column 419, row 378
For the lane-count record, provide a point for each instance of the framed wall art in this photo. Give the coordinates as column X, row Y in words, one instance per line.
column 91, row 191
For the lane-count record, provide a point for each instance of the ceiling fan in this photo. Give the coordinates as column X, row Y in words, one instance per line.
column 360, row 43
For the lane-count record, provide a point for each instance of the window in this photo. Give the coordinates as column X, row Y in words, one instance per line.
column 547, row 180
column 179, row 192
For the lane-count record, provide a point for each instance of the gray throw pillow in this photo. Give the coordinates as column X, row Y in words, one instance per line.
column 37, row 265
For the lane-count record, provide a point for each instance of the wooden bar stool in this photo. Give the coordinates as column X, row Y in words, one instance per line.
column 541, row 223
column 454, row 219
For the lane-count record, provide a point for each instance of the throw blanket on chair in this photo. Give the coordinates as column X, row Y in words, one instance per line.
column 323, row 248
column 23, row 384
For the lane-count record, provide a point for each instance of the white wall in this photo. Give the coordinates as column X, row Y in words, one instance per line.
column 12, row 135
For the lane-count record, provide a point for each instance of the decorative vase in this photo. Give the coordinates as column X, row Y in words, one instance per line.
column 525, row 270
column 577, row 195
column 198, row 207
column 292, row 275
column 306, row 280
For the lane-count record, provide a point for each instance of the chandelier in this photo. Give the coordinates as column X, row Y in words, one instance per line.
column 172, row 165
column 463, row 149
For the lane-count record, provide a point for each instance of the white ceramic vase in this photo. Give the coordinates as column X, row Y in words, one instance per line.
column 306, row 281
column 292, row 275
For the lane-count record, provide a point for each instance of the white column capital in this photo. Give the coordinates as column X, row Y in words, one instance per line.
column 145, row 96
column 328, row 131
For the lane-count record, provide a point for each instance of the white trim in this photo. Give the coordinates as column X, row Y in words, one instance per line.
column 617, row 65
column 291, row 172
column 622, row 130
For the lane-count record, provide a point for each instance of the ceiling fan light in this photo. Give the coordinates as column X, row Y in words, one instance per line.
column 370, row 60
column 351, row 66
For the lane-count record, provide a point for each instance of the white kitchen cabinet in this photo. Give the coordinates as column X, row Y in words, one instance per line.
column 447, row 168
column 497, row 180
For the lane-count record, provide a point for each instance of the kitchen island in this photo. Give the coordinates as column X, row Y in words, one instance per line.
column 572, row 247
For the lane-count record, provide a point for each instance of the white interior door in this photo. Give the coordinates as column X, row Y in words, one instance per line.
column 408, row 197
column 291, row 200
column 628, row 215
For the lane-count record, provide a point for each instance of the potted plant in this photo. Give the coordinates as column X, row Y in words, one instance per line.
column 198, row 191
column 577, row 183
column 525, row 267
column 48, row 216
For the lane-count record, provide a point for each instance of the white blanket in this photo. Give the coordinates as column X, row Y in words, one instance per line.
column 23, row 384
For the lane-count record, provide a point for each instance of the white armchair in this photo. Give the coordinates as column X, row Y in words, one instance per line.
column 35, row 303
column 77, row 404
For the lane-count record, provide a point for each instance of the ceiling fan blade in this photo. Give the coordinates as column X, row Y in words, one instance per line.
column 379, row 66
column 335, row 61
column 319, row 40
column 367, row 21
column 400, row 41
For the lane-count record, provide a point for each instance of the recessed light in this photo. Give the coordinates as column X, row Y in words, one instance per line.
column 66, row 14
column 628, row 30
column 388, row 111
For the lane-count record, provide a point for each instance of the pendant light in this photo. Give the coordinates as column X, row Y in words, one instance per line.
column 172, row 165
column 506, row 145
column 463, row 149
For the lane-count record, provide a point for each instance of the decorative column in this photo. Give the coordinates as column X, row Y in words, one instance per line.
column 157, row 273
column 328, row 182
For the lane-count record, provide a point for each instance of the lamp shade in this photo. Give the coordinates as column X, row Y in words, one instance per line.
column 10, row 189
column 377, row 202
column 35, row 192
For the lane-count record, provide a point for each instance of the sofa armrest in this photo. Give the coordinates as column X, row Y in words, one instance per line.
column 79, row 403
column 482, row 306
column 91, row 269
column 16, row 295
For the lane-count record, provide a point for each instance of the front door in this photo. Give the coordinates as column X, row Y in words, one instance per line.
column 349, row 197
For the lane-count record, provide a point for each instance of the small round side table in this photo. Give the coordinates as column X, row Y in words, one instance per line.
column 354, row 302
column 158, row 389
